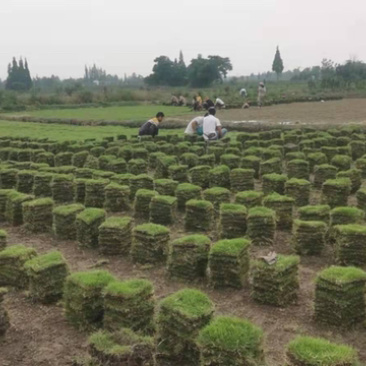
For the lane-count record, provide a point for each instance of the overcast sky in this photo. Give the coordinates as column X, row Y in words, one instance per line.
column 61, row 36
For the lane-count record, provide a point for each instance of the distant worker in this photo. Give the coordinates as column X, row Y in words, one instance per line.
column 195, row 127
column 212, row 129
column 182, row 101
column 151, row 127
column 243, row 92
column 197, row 103
column 219, row 104
column 261, row 94
column 208, row 103
column 174, row 100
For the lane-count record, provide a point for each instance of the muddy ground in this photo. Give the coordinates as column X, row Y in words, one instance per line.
column 40, row 336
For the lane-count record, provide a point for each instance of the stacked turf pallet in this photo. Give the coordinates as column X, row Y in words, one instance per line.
column 185, row 192
column 355, row 176
column 95, row 192
column 275, row 284
column 220, row 176
column 42, row 184
column 3, row 239
column 14, row 207
column 200, row 175
column 142, row 202
column 322, row 173
column 12, row 265
column 83, row 298
column 64, row 220
column 117, row 197
column 4, row 317
column 37, row 215
column 283, row 207
column 179, row 320
column 216, row 196
column 242, row 179
column 165, row 187
column 299, row 190
column 233, row 220
column 163, row 210
column 47, row 274
column 274, row 183
column 309, row 237
column 361, row 199
column 62, row 188
column 199, row 215
column 229, row 263
column 335, row 192
column 188, row 257
column 142, row 181
column 339, row 296
column 4, row 193
column 87, row 225
column 261, row 225
column 249, row 198
column 230, row 341
column 115, row 235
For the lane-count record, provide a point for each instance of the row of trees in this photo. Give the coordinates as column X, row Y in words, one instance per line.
column 18, row 76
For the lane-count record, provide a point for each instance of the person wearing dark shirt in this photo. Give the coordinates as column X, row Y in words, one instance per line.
column 208, row 103
column 151, row 127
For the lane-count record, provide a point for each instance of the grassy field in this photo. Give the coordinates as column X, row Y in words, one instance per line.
column 125, row 113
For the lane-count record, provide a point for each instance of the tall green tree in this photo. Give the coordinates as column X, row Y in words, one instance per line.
column 19, row 78
column 277, row 65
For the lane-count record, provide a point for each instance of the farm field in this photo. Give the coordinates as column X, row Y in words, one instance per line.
column 282, row 170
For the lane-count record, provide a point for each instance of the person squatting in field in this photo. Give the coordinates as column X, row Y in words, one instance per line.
column 212, row 128
column 151, row 127
column 195, row 126
column 261, row 94
column 219, row 103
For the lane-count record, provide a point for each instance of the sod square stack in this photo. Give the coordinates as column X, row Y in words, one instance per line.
column 220, row 176
column 299, row 190
column 178, row 173
column 355, row 176
column 249, row 198
column 129, row 304
column 216, row 196
column 117, row 197
column 87, row 226
column 274, row 183
column 37, row 215
column 14, row 207
column 315, row 213
column 42, row 185
column 309, row 237
column 163, row 210
column 199, row 215
column 62, row 187
column 283, row 207
column 150, row 243
column 64, row 220
column 340, row 296
column 25, row 179
column 361, row 199
column 12, row 265
column 188, row 256
column 185, row 192
column 83, row 298
column 242, row 179
column 95, row 192
column 4, row 317
column 47, row 274
column 200, row 175
column 322, row 173
column 179, row 319
column 4, row 193
column 115, row 235
column 230, row 341
column 335, row 192
column 275, row 284
column 229, row 263
column 298, row 168
column 165, row 187
column 142, row 202
column 261, row 226
column 3, row 239
column 233, row 221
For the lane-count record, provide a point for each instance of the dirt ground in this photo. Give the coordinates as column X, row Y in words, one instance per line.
column 40, row 336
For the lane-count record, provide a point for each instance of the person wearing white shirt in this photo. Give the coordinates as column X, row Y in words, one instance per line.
column 219, row 103
column 212, row 129
column 195, row 126
column 243, row 92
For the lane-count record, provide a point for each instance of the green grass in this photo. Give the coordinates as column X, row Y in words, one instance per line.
column 320, row 352
column 187, row 187
column 249, row 194
column 169, row 200
column 199, row 240
column 91, row 214
column 152, row 229
column 342, row 275
column 66, row 210
column 351, row 212
column 233, row 208
column 216, row 191
column 230, row 246
column 145, row 193
column 45, row 261
column 310, row 224
column 39, row 202
column 261, row 212
column 315, row 210
column 275, row 197
column 3, row 234
column 199, row 204
column 91, row 279
column 297, row 182
column 129, row 288
column 274, row 177
column 116, row 222
column 283, row 263
column 20, row 252
column 351, row 229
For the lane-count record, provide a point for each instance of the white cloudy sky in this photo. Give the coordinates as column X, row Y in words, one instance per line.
column 124, row 36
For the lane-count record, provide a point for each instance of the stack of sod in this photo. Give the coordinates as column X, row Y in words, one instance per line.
column 95, row 192
column 189, row 159
column 355, row 176
column 129, row 304
column 64, row 220
column 340, row 296
column 115, row 235
column 141, row 181
column 12, row 262
column 79, row 190
column 220, row 176
column 149, row 243
column 309, row 237
column 140, row 153
column 163, row 210
column 162, row 165
column 358, row 149
column 142, row 202
column 179, row 320
column 62, row 187
column 122, row 347
column 84, row 173
column 207, row 159
column 274, row 183
column 292, row 155
column 3, row 239
column 4, row 193
column 83, row 298
column 249, row 198
column 251, row 162
column 228, row 263
column 299, row 190
column 4, row 317
column 14, row 208
column 242, row 180
column 87, row 224
column 188, row 256
column 47, row 274
column 178, row 172
column 25, row 180
column 63, row 158
column 361, row 165
column 322, row 173
column 117, row 197
column 230, row 160
column 199, row 215
column 137, row 166
column 315, row 213
column 261, row 225
column 233, row 220
column 79, row 158
column 42, row 185
column 271, row 166
column 216, row 196
column 298, row 169
column 165, row 187
column 308, row 351
column 185, row 192
column 8, row 178
column 230, row 341
column 350, row 245
column 200, row 175
column 361, row 199
column 37, row 215
column 342, row 162
column 283, row 207
column 315, row 159
column 46, row 158
column 335, row 192
column 275, row 284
